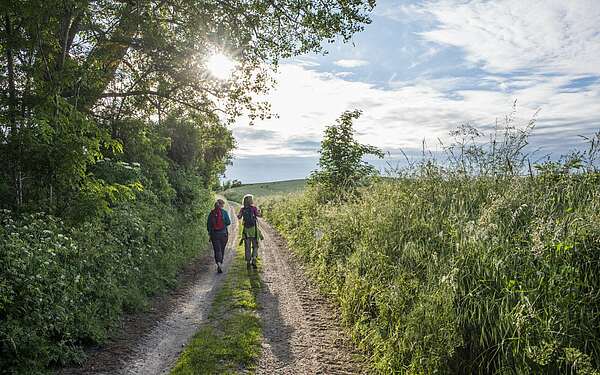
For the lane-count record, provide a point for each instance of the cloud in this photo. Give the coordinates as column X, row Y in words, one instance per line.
column 310, row 144
column 344, row 74
column 405, row 114
column 253, row 133
column 514, row 35
column 252, row 169
column 351, row 63
column 307, row 61
column 401, row 12
column 545, row 54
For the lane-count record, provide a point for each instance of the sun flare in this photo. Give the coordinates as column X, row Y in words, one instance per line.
column 220, row 66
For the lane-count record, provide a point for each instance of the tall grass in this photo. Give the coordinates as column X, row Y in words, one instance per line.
column 463, row 276
column 440, row 272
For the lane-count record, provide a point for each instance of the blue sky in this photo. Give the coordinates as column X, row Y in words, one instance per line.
column 421, row 68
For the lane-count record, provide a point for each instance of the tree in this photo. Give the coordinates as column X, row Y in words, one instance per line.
column 341, row 162
column 72, row 69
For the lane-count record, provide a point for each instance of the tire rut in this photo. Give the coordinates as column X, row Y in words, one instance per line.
column 150, row 344
column 301, row 328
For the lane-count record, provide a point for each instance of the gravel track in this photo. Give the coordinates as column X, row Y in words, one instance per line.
column 301, row 331
column 301, row 328
column 151, row 342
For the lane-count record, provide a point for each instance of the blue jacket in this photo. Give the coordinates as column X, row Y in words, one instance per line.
column 226, row 221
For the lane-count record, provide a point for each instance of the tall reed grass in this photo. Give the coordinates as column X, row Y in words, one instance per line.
column 482, row 265
column 463, row 275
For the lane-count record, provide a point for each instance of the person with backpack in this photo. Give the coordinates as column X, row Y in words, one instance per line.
column 217, row 223
column 250, row 232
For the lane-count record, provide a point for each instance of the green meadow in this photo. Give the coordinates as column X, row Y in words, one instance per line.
column 266, row 189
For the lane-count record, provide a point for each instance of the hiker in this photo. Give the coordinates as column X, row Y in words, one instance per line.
column 250, row 232
column 217, row 223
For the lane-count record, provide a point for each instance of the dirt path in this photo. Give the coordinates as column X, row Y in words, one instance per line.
column 301, row 330
column 300, row 327
column 151, row 342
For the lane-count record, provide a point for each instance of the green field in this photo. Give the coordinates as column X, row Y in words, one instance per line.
column 265, row 189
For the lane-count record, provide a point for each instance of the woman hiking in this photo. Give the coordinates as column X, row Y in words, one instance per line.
column 217, row 223
column 250, row 232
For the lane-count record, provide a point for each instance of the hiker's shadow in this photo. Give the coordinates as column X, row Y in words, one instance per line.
column 276, row 332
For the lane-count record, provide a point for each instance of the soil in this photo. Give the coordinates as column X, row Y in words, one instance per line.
column 301, row 328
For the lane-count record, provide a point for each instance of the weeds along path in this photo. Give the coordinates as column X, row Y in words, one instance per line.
column 301, row 332
column 151, row 343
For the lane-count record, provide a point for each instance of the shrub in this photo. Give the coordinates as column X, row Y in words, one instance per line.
column 64, row 287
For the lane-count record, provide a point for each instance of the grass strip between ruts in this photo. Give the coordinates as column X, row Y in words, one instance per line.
column 229, row 342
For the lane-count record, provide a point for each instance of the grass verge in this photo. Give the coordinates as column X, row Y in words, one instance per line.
column 229, row 342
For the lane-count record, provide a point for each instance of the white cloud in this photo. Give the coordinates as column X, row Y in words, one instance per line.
column 529, row 50
column 399, row 11
column 402, row 117
column 351, row 63
column 548, row 36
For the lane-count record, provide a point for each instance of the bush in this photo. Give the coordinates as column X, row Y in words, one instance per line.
column 64, row 287
column 460, row 275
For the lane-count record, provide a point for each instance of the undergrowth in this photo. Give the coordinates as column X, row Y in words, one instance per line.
column 460, row 274
column 65, row 287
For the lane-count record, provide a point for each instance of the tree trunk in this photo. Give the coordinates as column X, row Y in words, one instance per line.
column 10, row 66
column 12, row 112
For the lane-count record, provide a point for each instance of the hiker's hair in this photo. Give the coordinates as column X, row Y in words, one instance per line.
column 219, row 202
column 247, row 201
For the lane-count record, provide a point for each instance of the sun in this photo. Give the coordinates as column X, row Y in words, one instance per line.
column 220, row 66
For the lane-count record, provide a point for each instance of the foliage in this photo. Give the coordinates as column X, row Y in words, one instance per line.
column 230, row 342
column 73, row 71
column 504, row 153
column 64, row 287
column 462, row 266
column 341, row 161
column 464, row 276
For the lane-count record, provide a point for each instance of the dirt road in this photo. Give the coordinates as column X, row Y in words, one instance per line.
column 151, row 342
column 300, row 327
column 301, row 333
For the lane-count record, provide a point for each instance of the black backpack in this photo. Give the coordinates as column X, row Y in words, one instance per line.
column 249, row 217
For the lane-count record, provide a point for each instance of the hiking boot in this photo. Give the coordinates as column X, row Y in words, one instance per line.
column 219, row 270
column 247, row 264
column 254, row 263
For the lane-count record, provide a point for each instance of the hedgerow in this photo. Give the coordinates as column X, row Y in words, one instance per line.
column 461, row 275
column 65, row 287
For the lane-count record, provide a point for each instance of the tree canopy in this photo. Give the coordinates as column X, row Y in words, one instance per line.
column 74, row 73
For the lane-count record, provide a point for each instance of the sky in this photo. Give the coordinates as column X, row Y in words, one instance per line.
column 422, row 68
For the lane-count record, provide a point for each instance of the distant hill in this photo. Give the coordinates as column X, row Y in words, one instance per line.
column 264, row 189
